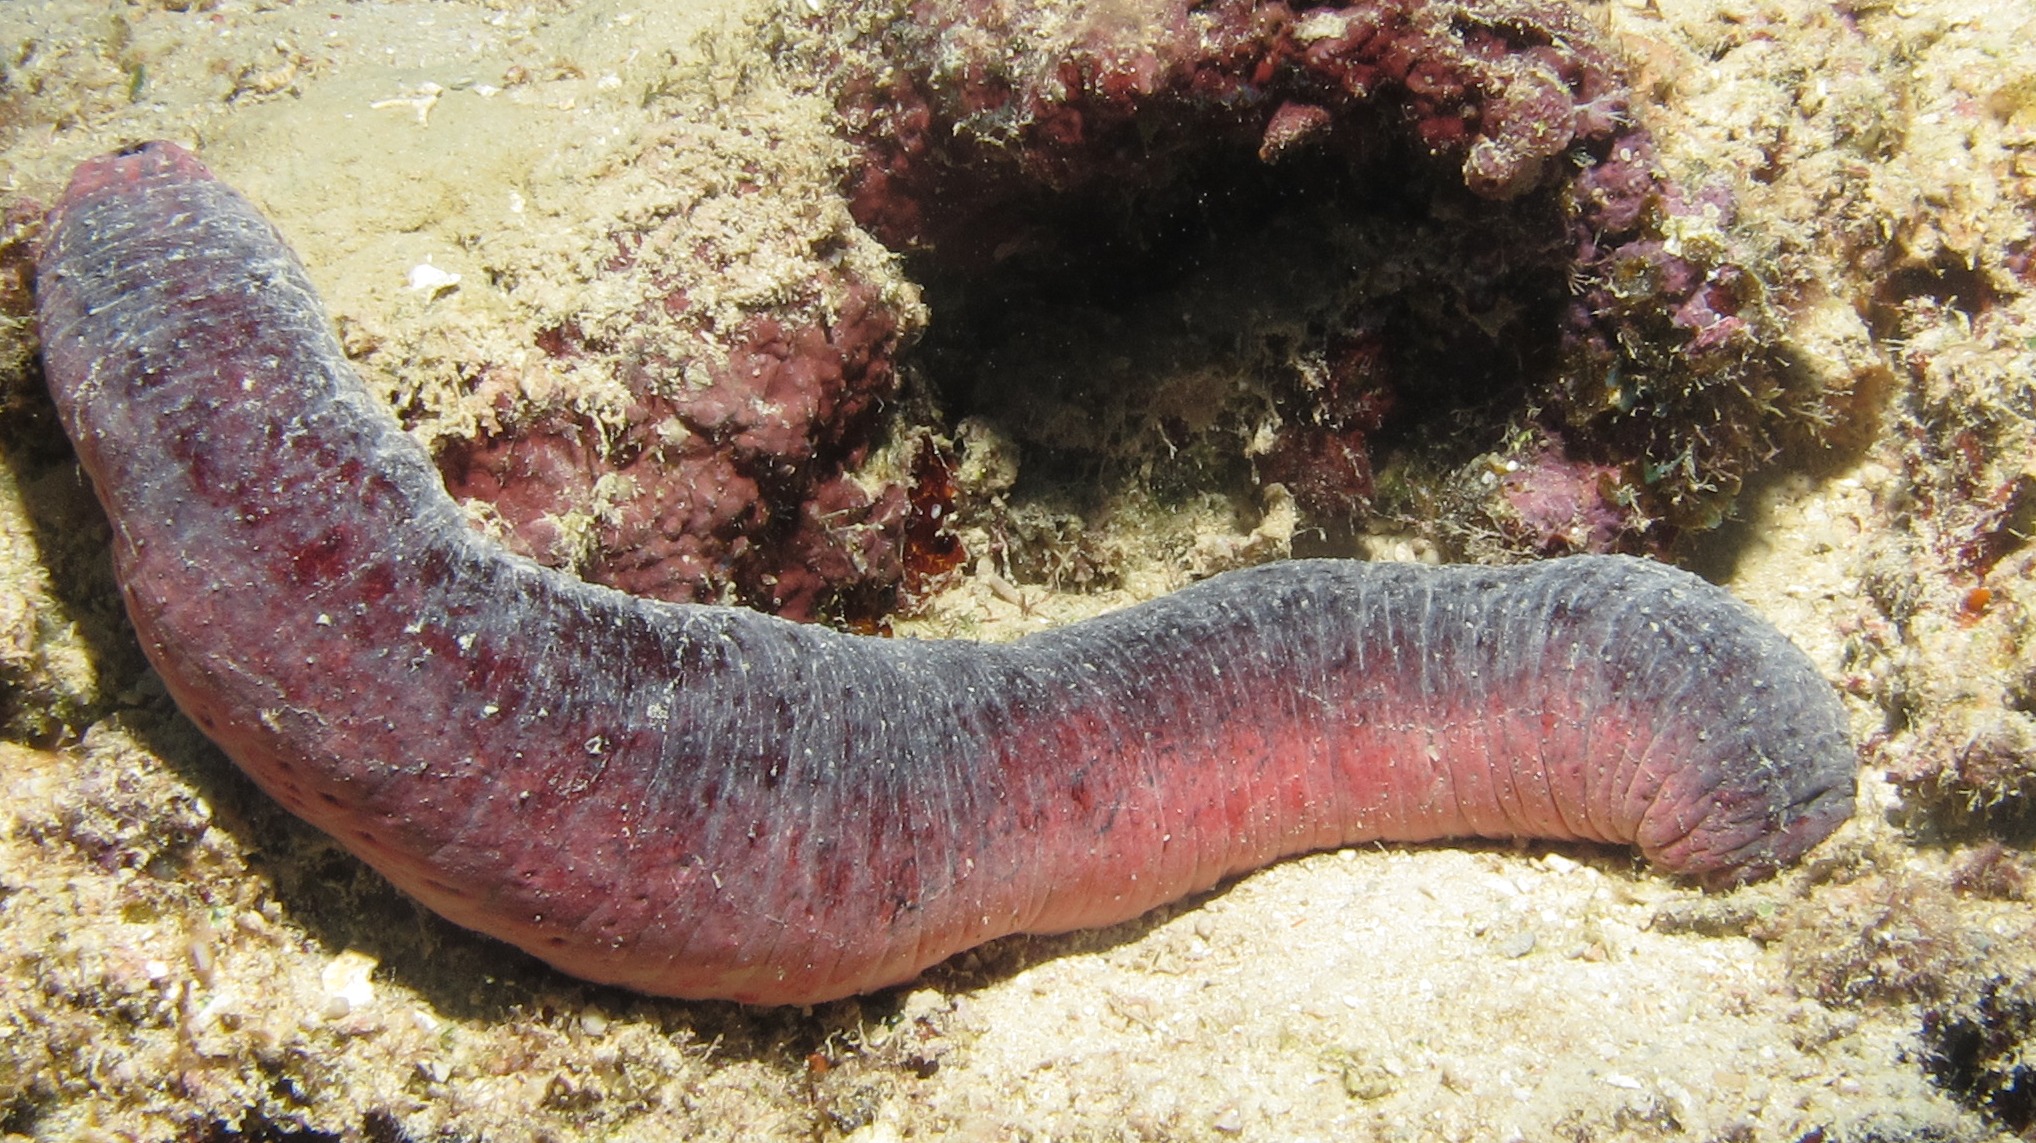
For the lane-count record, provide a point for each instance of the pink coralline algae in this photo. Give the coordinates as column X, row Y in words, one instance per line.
column 1516, row 268
column 1543, row 255
column 966, row 128
column 736, row 486
column 1555, row 503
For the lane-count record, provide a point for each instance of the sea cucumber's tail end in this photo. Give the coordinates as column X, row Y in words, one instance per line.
column 1786, row 838
column 1754, row 744
column 132, row 173
column 129, row 167
column 1781, row 802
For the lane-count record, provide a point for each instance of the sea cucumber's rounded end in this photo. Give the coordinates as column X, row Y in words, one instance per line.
column 1772, row 804
column 1758, row 760
column 130, row 167
column 1804, row 827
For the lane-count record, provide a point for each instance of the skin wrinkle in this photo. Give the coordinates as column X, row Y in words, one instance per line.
column 1304, row 708
column 1158, row 815
column 1263, row 783
column 1058, row 800
column 1596, row 690
column 728, row 778
column 970, row 878
column 1312, row 694
column 949, row 789
column 1558, row 689
column 1003, row 786
column 1598, row 811
column 722, row 739
column 1206, row 855
column 837, row 811
column 1625, row 789
column 1479, row 693
column 1302, row 787
column 908, row 896
column 1441, row 789
column 1678, row 641
column 1657, row 738
column 1665, row 732
column 1378, row 683
column 1628, row 804
column 1146, row 804
column 1312, row 697
column 1461, row 686
column 1554, row 680
column 1590, row 646
column 790, row 877
column 1397, row 619
column 1516, row 718
column 1170, row 814
column 1682, row 831
column 660, row 785
column 458, row 841
column 922, row 800
column 943, row 852
column 1204, row 673
column 1600, row 688
column 939, row 825
column 1683, row 817
column 1199, row 671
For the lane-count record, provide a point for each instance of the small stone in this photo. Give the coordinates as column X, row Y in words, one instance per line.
column 345, row 980
column 431, row 281
column 1368, row 1080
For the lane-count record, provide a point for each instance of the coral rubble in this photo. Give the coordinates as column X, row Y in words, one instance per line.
column 1516, row 282
column 1414, row 261
column 735, row 480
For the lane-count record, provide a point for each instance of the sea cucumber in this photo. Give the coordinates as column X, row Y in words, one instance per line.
column 705, row 801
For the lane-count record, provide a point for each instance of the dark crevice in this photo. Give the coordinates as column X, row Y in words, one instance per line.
column 1945, row 281
column 1978, row 1054
column 1155, row 330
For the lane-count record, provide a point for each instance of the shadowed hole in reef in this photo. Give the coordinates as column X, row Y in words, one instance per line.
column 255, row 1127
column 1314, row 322
column 1980, row 1054
column 1945, row 281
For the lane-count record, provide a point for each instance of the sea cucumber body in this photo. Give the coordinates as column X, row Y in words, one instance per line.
column 705, row 801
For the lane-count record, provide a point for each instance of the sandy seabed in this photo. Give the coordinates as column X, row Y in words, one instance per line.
column 179, row 960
